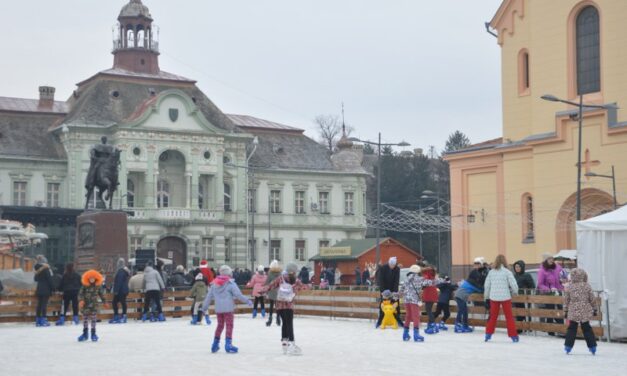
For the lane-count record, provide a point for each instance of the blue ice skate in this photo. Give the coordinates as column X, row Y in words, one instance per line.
column 215, row 347
column 417, row 336
column 83, row 337
column 228, row 346
column 406, row 334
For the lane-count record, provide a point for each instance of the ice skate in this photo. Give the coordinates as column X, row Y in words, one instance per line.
column 60, row 322
column 593, row 350
column 207, row 320
column 488, row 337
column 254, row 313
column 215, row 347
column 123, row 319
column 515, row 339
column 459, row 328
column 161, row 317
column 406, row 334
column 115, row 320
column 75, row 319
column 567, row 350
column 83, row 337
column 417, row 336
column 284, row 344
column 94, row 337
column 228, row 346
column 467, row 329
column 442, row 326
column 293, row 350
column 431, row 329
column 263, row 312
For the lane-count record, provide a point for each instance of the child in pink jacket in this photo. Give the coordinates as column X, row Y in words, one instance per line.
column 257, row 282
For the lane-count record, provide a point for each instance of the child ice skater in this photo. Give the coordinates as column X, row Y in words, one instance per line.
column 287, row 286
column 224, row 291
column 446, row 294
column 257, row 282
column 579, row 310
column 273, row 273
column 198, row 293
column 411, row 291
column 88, row 298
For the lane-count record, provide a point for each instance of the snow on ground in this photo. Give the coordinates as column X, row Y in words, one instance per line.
column 343, row 347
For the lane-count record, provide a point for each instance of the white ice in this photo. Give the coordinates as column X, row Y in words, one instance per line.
column 330, row 347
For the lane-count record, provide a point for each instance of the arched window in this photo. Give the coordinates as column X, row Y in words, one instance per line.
column 163, row 193
column 130, row 193
column 227, row 197
column 527, row 219
column 588, row 51
column 523, row 72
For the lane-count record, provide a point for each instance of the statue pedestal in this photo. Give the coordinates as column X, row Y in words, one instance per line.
column 101, row 238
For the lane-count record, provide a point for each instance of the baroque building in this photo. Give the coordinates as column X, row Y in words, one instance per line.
column 197, row 183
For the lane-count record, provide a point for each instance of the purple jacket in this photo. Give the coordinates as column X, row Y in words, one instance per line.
column 549, row 279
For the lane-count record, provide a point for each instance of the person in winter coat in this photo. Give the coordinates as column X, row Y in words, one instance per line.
column 410, row 292
column 273, row 273
column 88, row 296
column 304, row 275
column 120, row 291
column 525, row 283
column 579, row 308
column 177, row 279
column 446, row 294
column 388, row 277
column 550, row 283
column 153, row 285
column 257, row 282
column 198, row 293
column 430, row 297
column 287, row 286
column 500, row 286
column 45, row 287
column 70, row 285
column 224, row 291
column 207, row 272
column 136, row 283
column 365, row 277
column 357, row 276
column 472, row 285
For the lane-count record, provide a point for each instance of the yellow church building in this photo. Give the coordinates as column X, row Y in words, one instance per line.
column 517, row 195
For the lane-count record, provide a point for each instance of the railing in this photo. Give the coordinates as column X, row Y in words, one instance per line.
column 119, row 45
column 176, row 216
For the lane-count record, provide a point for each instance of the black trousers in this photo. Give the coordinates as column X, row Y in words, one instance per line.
column 119, row 299
column 397, row 315
column 588, row 334
column 259, row 300
column 152, row 296
column 70, row 297
column 442, row 307
column 429, row 309
column 271, row 308
column 42, row 305
column 287, row 326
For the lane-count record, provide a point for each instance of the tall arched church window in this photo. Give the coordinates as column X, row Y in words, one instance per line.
column 227, row 197
column 523, row 72
column 527, row 219
column 588, row 51
column 130, row 193
column 163, row 193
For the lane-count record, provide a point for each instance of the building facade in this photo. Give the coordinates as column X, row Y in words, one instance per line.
column 516, row 195
column 199, row 184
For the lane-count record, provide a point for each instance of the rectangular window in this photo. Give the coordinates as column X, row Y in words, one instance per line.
column 135, row 244
column 19, row 193
column 323, row 202
column 252, row 193
column 299, row 202
column 227, row 249
column 349, row 203
column 323, row 243
column 299, row 248
column 252, row 246
column 275, row 250
column 52, row 196
column 207, row 249
column 275, row 201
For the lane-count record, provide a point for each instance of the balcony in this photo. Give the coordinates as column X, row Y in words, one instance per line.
column 176, row 216
column 119, row 45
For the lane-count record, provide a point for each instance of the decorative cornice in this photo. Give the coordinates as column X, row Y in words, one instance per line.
column 505, row 17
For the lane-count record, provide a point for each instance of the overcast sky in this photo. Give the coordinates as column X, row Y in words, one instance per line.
column 415, row 70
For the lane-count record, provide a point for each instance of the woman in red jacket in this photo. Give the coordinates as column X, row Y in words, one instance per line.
column 430, row 297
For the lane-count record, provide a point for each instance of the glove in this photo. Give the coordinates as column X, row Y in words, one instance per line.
column 249, row 303
column 106, row 305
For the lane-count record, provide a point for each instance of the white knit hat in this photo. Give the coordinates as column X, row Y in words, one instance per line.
column 226, row 270
column 274, row 264
column 392, row 260
column 479, row 260
column 414, row 269
column 260, row 268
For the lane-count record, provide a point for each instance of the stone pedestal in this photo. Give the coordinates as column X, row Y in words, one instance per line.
column 101, row 238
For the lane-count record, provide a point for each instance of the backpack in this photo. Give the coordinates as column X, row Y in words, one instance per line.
column 285, row 292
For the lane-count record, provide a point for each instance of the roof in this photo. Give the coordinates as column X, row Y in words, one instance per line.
column 26, row 135
column 162, row 75
column 30, row 105
column 358, row 247
column 246, row 121
column 489, row 144
column 135, row 8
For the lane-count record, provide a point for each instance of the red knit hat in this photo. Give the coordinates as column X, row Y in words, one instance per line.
column 203, row 262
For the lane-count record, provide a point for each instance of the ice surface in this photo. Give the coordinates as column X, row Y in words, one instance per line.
column 330, row 347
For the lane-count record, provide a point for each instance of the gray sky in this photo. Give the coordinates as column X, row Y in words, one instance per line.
column 416, row 70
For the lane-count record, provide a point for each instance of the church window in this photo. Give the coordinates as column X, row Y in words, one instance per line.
column 523, row 72
column 588, row 55
column 527, row 219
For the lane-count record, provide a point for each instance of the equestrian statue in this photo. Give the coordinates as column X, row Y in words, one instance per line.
column 103, row 172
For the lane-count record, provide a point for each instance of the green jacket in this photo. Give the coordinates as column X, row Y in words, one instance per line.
column 199, row 291
column 89, row 294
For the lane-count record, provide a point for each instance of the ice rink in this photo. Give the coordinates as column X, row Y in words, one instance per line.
column 330, row 347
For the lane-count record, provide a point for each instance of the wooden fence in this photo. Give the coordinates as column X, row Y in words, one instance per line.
column 331, row 303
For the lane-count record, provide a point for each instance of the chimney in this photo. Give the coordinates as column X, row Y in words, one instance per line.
column 46, row 97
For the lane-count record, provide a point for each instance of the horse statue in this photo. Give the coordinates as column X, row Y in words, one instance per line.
column 103, row 172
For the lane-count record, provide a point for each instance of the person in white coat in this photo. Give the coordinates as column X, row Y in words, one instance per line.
column 153, row 285
column 500, row 286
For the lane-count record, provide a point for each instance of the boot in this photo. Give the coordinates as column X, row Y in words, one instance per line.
column 153, row 318
column 406, row 334
column 263, row 312
column 417, row 336
column 161, row 317
column 114, row 320
column 568, row 350
column 430, row 328
column 83, row 337
column 459, row 328
column 207, row 319
column 228, row 346
column 292, row 349
column 593, row 350
column 515, row 339
column 194, row 320
column 488, row 337
column 269, row 322
column 284, row 344
column 123, row 319
column 61, row 321
column 75, row 319
column 38, row 321
column 254, row 313
column 44, row 322
column 144, row 317
column 216, row 345
column 442, row 326
column 467, row 329
column 94, row 337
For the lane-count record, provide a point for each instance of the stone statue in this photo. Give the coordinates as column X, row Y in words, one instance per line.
column 103, row 172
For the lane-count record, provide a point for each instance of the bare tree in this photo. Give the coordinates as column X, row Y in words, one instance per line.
column 330, row 130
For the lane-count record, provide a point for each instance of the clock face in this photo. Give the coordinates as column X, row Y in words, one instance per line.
column 86, row 235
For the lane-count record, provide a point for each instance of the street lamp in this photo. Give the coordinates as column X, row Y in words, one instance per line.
column 379, row 145
column 580, row 106
column 613, row 177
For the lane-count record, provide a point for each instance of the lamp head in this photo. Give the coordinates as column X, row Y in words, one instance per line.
column 611, row 106
column 549, row 97
column 354, row 139
column 403, row 143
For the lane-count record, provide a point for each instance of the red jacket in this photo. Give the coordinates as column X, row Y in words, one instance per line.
column 207, row 273
column 429, row 293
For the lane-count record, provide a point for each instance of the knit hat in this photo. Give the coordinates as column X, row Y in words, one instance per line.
column 121, row 263
column 414, row 269
column 203, row 263
column 260, row 268
column 226, row 270
column 479, row 260
column 291, row 268
column 199, row 277
column 180, row 268
column 274, row 264
column 392, row 260
column 98, row 278
column 387, row 294
column 546, row 256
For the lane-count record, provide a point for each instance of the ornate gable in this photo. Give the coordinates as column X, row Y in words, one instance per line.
column 505, row 17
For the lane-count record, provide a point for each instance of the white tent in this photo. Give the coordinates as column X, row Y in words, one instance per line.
column 602, row 253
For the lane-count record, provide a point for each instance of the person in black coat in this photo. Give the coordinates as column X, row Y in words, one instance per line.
column 365, row 277
column 446, row 294
column 178, row 277
column 525, row 283
column 304, row 275
column 357, row 276
column 388, row 278
column 70, row 285
column 45, row 286
column 120, row 291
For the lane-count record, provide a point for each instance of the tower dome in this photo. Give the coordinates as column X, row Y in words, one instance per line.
column 135, row 44
column 135, row 8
